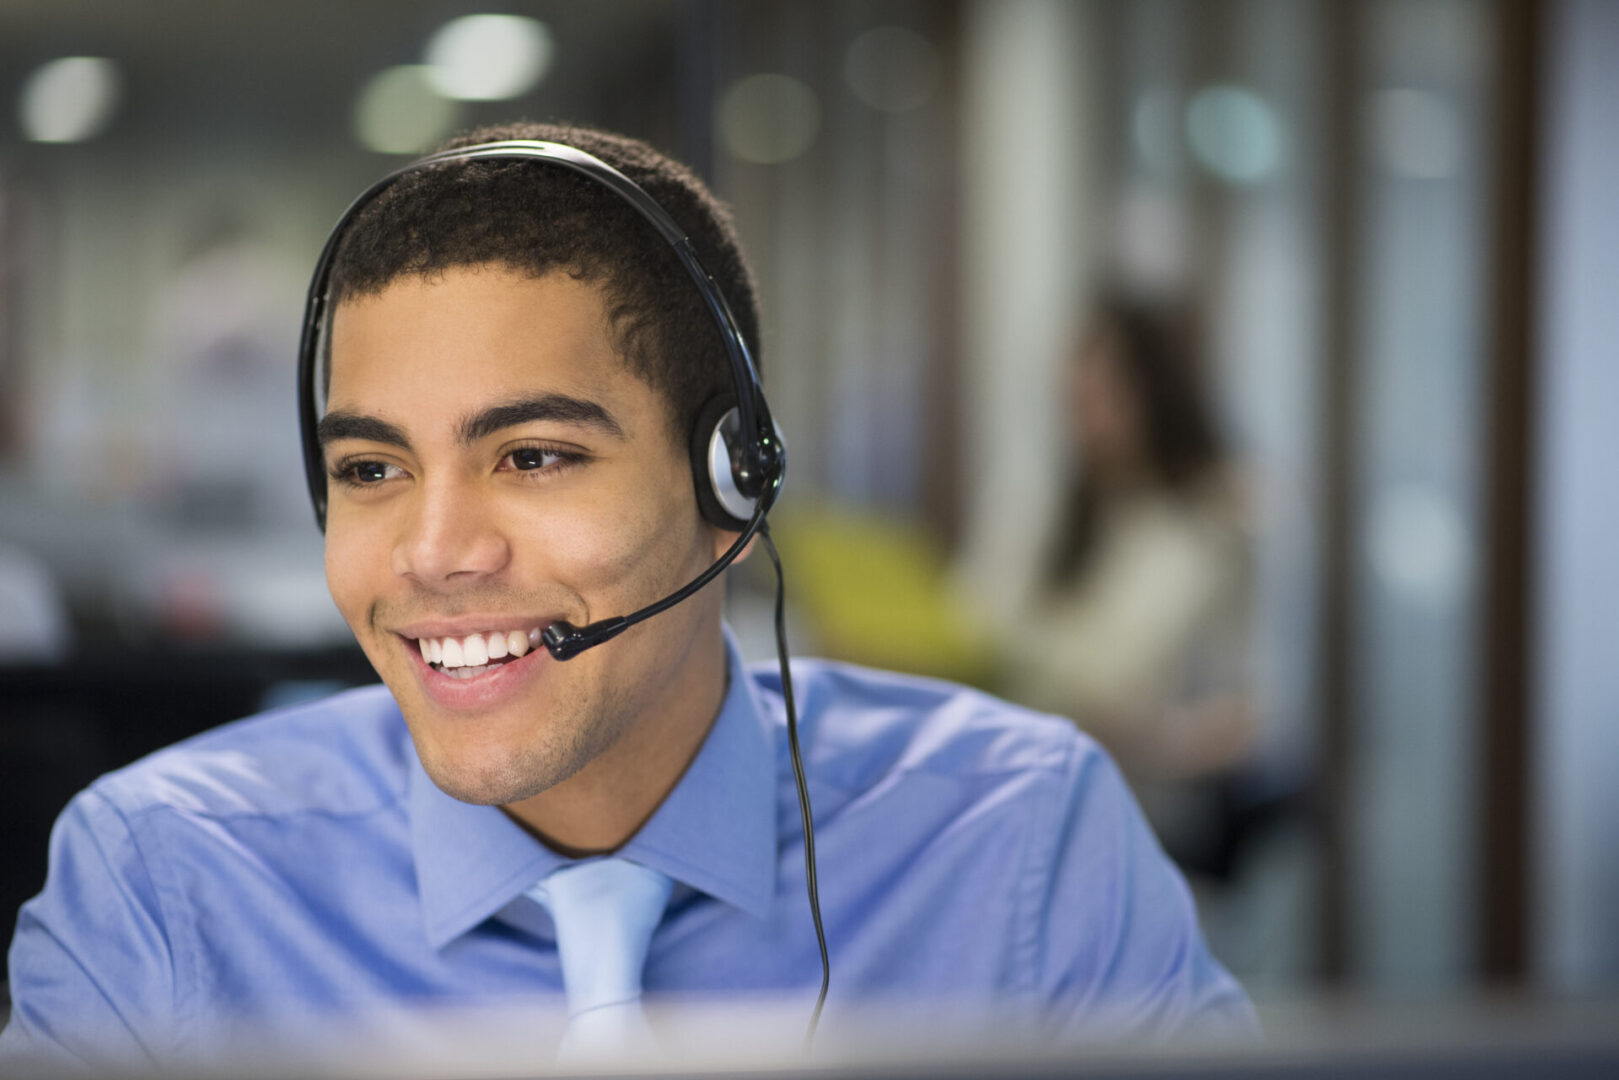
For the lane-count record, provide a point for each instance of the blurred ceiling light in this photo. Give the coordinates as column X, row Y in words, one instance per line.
column 399, row 111
column 768, row 119
column 1154, row 131
column 69, row 100
column 1235, row 133
column 892, row 69
column 1415, row 133
column 489, row 57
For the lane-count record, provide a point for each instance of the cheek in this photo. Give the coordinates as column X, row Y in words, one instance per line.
column 637, row 537
column 352, row 563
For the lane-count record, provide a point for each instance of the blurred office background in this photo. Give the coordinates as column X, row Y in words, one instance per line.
column 1393, row 220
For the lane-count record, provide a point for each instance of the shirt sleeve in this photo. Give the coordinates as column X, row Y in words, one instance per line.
column 1124, row 957
column 93, row 981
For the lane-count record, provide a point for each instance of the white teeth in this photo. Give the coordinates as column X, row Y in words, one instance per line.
column 471, row 654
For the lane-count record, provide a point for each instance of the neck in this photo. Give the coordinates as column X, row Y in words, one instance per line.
column 599, row 808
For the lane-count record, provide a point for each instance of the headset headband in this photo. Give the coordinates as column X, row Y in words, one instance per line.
column 757, row 460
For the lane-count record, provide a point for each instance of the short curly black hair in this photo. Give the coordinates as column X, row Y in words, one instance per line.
column 537, row 219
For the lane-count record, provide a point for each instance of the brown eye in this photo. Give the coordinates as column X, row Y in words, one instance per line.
column 533, row 457
column 365, row 473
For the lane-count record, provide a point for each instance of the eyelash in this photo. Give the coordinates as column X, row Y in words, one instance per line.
column 345, row 471
column 566, row 459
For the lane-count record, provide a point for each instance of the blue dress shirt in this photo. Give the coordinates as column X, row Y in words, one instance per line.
column 301, row 864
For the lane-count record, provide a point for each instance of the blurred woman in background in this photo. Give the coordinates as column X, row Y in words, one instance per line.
column 1137, row 625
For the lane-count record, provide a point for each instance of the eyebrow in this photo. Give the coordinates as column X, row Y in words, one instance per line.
column 557, row 408
column 343, row 424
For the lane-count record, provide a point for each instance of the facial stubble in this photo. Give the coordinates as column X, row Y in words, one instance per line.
column 578, row 726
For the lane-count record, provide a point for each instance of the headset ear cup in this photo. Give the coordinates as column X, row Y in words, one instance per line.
column 717, row 496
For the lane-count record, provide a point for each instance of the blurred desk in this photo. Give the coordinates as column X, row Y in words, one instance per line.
column 752, row 1038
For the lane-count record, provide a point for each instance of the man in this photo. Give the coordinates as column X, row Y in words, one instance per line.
column 517, row 363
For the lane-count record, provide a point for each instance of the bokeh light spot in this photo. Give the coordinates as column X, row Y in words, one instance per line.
column 69, row 100
column 489, row 57
column 892, row 69
column 768, row 119
column 1234, row 133
column 1420, row 546
column 399, row 111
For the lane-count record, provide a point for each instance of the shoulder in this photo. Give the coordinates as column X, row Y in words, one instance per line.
column 345, row 754
column 182, row 844
column 863, row 726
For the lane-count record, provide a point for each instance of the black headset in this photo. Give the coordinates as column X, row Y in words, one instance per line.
column 737, row 455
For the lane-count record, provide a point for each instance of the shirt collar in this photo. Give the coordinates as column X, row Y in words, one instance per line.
column 716, row 831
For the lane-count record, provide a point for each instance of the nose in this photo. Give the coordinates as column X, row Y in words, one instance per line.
column 450, row 535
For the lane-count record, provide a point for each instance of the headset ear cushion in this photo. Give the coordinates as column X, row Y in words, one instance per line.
column 713, row 449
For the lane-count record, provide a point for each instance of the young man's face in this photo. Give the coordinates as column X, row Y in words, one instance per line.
column 494, row 467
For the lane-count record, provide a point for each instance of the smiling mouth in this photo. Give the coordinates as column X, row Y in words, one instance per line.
column 472, row 655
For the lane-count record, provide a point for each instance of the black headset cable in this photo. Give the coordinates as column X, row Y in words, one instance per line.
column 798, row 776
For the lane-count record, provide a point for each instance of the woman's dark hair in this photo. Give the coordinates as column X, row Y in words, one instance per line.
column 537, row 220
column 1154, row 346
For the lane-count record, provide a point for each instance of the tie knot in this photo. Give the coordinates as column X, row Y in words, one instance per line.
column 605, row 911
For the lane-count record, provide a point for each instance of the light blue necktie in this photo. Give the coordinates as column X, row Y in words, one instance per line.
column 605, row 911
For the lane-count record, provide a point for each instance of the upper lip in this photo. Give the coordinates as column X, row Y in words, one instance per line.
column 463, row 625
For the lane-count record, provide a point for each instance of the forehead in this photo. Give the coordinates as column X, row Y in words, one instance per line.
column 429, row 347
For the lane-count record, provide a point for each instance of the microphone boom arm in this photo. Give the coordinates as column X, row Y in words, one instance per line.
column 564, row 641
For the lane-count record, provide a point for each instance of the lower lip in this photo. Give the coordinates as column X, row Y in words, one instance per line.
column 494, row 687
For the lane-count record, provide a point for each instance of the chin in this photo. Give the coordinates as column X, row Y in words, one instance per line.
column 495, row 769
column 491, row 781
